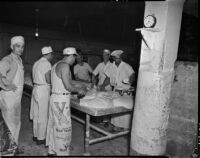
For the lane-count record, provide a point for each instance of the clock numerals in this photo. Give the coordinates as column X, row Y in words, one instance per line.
column 149, row 21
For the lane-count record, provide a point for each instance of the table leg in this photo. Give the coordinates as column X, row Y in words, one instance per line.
column 87, row 135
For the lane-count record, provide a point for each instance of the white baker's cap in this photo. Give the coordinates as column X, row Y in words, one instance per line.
column 46, row 50
column 16, row 39
column 69, row 51
column 117, row 53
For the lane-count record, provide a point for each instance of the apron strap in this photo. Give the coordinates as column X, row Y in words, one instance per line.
column 37, row 84
column 60, row 93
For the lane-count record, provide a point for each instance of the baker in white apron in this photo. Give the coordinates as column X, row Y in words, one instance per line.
column 12, row 70
column 41, row 95
column 118, row 74
column 59, row 130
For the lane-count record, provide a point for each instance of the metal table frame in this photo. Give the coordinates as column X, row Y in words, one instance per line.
column 97, row 112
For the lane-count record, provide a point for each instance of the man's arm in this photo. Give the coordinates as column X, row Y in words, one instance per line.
column 132, row 78
column 65, row 77
column 94, row 74
column 90, row 72
column 6, row 87
column 1, row 82
column 48, row 77
column 89, row 68
column 4, row 68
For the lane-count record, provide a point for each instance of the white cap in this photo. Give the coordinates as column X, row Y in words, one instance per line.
column 117, row 53
column 16, row 39
column 46, row 50
column 69, row 51
column 106, row 51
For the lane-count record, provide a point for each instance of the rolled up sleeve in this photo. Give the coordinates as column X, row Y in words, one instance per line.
column 4, row 67
column 89, row 68
column 46, row 67
column 96, row 70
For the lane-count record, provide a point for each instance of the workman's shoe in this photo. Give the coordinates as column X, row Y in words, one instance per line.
column 18, row 151
column 117, row 129
column 34, row 139
column 106, row 124
column 51, row 155
column 39, row 142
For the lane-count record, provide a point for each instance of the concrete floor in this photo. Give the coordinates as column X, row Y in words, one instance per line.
column 116, row 147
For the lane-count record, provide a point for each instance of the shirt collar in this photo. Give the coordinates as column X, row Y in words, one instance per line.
column 43, row 58
column 119, row 64
column 16, row 56
column 106, row 63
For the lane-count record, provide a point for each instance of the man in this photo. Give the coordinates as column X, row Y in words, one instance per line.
column 102, row 84
column 59, row 131
column 40, row 95
column 82, row 70
column 100, row 71
column 121, row 77
column 11, row 82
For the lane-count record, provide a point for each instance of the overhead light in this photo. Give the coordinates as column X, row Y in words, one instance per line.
column 37, row 19
column 36, row 33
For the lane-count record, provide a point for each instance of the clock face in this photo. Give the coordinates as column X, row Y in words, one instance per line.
column 149, row 21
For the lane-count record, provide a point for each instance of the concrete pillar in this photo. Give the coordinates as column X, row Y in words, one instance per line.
column 156, row 74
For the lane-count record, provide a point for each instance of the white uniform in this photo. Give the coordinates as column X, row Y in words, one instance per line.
column 40, row 98
column 83, row 71
column 117, row 75
column 101, row 69
column 11, row 101
column 59, row 130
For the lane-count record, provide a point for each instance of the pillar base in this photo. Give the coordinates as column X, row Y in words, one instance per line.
column 135, row 153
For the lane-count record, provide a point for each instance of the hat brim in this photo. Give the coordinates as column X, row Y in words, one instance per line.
column 47, row 53
column 71, row 54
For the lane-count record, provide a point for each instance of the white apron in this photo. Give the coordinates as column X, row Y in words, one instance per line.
column 39, row 110
column 59, row 130
column 123, row 120
column 120, row 120
column 11, row 103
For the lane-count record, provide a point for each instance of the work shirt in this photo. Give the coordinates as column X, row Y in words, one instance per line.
column 12, row 69
column 100, row 69
column 118, row 74
column 83, row 71
column 40, row 68
column 9, row 65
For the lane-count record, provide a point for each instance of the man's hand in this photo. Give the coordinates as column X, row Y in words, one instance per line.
column 81, row 92
column 11, row 87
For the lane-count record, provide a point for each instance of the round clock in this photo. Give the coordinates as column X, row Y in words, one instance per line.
column 149, row 21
